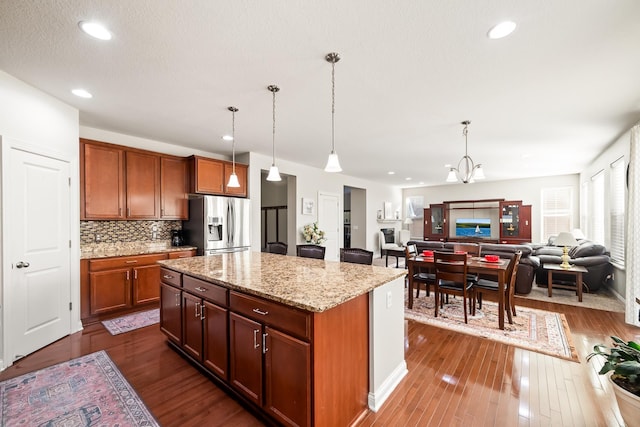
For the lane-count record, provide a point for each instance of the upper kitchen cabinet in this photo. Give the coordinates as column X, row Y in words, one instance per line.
column 142, row 174
column 210, row 176
column 102, row 190
column 174, row 179
column 122, row 183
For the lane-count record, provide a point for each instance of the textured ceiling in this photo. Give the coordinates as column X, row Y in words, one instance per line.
column 544, row 101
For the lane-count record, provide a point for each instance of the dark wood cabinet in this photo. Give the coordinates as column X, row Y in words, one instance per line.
column 192, row 325
column 174, row 173
column 210, row 176
column 171, row 312
column 145, row 284
column 110, row 290
column 102, row 188
column 436, row 222
column 142, row 173
column 182, row 254
column 215, row 341
column 241, row 173
column 515, row 222
column 245, row 354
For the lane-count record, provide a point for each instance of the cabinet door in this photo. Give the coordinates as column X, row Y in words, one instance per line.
column 171, row 312
column 215, row 339
column 145, row 284
column 192, row 325
column 208, row 176
column 287, row 378
column 426, row 234
column 143, row 185
column 525, row 222
column 182, row 254
column 173, row 188
column 110, row 290
column 241, row 172
column 102, row 187
column 245, row 353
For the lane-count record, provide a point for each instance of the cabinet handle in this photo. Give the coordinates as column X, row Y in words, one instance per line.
column 202, row 309
column 127, row 275
column 199, row 289
column 161, row 211
column 119, row 211
column 256, row 344
column 183, row 256
column 177, row 299
column 133, row 261
column 197, row 307
column 264, row 343
column 260, row 312
column 135, row 274
column 128, row 211
column 167, row 276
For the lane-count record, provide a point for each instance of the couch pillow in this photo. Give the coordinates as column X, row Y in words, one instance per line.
column 591, row 249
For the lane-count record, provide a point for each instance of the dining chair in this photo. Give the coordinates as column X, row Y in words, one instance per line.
column 277, row 248
column 490, row 286
column 310, row 251
column 423, row 275
column 356, row 256
column 472, row 249
column 451, row 279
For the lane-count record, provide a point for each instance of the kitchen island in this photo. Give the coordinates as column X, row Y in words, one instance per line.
column 302, row 341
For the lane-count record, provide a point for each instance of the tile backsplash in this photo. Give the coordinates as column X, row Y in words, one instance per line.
column 126, row 231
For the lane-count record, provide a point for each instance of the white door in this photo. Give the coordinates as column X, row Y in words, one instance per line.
column 36, row 248
column 329, row 221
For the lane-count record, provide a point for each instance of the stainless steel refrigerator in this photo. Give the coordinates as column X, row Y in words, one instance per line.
column 217, row 224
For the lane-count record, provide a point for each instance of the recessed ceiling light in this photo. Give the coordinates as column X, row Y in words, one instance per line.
column 81, row 93
column 421, row 183
column 96, row 30
column 447, row 166
column 227, row 137
column 391, row 173
column 501, row 30
column 408, row 179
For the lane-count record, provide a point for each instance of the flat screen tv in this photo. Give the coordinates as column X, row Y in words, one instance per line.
column 473, row 227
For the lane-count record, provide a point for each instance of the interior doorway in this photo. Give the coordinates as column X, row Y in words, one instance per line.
column 275, row 212
column 355, row 217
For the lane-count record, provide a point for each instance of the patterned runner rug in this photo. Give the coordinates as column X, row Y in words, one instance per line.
column 86, row 391
column 133, row 321
column 536, row 330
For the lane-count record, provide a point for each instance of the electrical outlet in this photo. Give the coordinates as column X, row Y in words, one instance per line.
column 389, row 299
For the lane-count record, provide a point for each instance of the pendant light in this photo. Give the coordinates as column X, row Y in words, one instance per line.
column 233, row 179
column 333, row 164
column 274, row 174
column 467, row 171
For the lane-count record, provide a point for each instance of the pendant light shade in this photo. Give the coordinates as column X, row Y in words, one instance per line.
column 233, row 179
column 274, row 173
column 333, row 164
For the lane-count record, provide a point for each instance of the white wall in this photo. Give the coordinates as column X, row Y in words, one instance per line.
column 43, row 122
column 529, row 190
column 308, row 182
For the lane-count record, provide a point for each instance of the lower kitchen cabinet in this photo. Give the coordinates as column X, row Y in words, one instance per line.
column 215, row 339
column 246, row 357
column 171, row 312
column 110, row 290
column 145, row 284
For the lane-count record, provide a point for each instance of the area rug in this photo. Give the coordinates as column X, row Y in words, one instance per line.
column 132, row 321
column 601, row 300
column 87, row 391
column 536, row 330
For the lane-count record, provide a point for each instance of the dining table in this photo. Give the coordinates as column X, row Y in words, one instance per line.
column 477, row 265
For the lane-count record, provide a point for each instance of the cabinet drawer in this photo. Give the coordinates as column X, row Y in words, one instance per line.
column 182, row 254
column 124, row 261
column 285, row 318
column 205, row 290
column 170, row 277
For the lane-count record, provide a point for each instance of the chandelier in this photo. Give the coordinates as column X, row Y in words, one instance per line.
column 466, row 171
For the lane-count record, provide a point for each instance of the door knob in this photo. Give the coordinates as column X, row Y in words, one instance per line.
column 21, row 264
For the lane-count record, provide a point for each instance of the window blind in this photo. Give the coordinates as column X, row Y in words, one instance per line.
column 597, row 218
column 557, row 211
column 616, row 212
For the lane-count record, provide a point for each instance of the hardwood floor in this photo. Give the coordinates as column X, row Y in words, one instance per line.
column 454, row 379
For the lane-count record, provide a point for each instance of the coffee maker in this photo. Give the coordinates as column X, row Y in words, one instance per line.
column 176, row 238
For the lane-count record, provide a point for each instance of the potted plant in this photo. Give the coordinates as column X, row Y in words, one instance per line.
column 624, row 360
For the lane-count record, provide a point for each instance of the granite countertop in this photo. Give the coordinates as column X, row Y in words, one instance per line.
column 308, row 284
column 105, row 250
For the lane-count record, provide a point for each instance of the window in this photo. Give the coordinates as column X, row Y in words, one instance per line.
column 415, row 212
column 557, row 211
column 617, row 211
column 584, row 208
column 597, row 217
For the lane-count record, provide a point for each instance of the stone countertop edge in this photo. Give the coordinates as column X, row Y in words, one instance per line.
column 116, row 252
column 291, row 292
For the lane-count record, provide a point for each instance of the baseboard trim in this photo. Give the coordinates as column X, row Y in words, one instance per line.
column 377, row 398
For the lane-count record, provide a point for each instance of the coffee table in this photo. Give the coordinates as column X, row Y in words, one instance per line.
column 575, row 270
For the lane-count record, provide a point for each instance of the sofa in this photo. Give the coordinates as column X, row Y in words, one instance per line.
column 529, row 263
column 592, row 256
